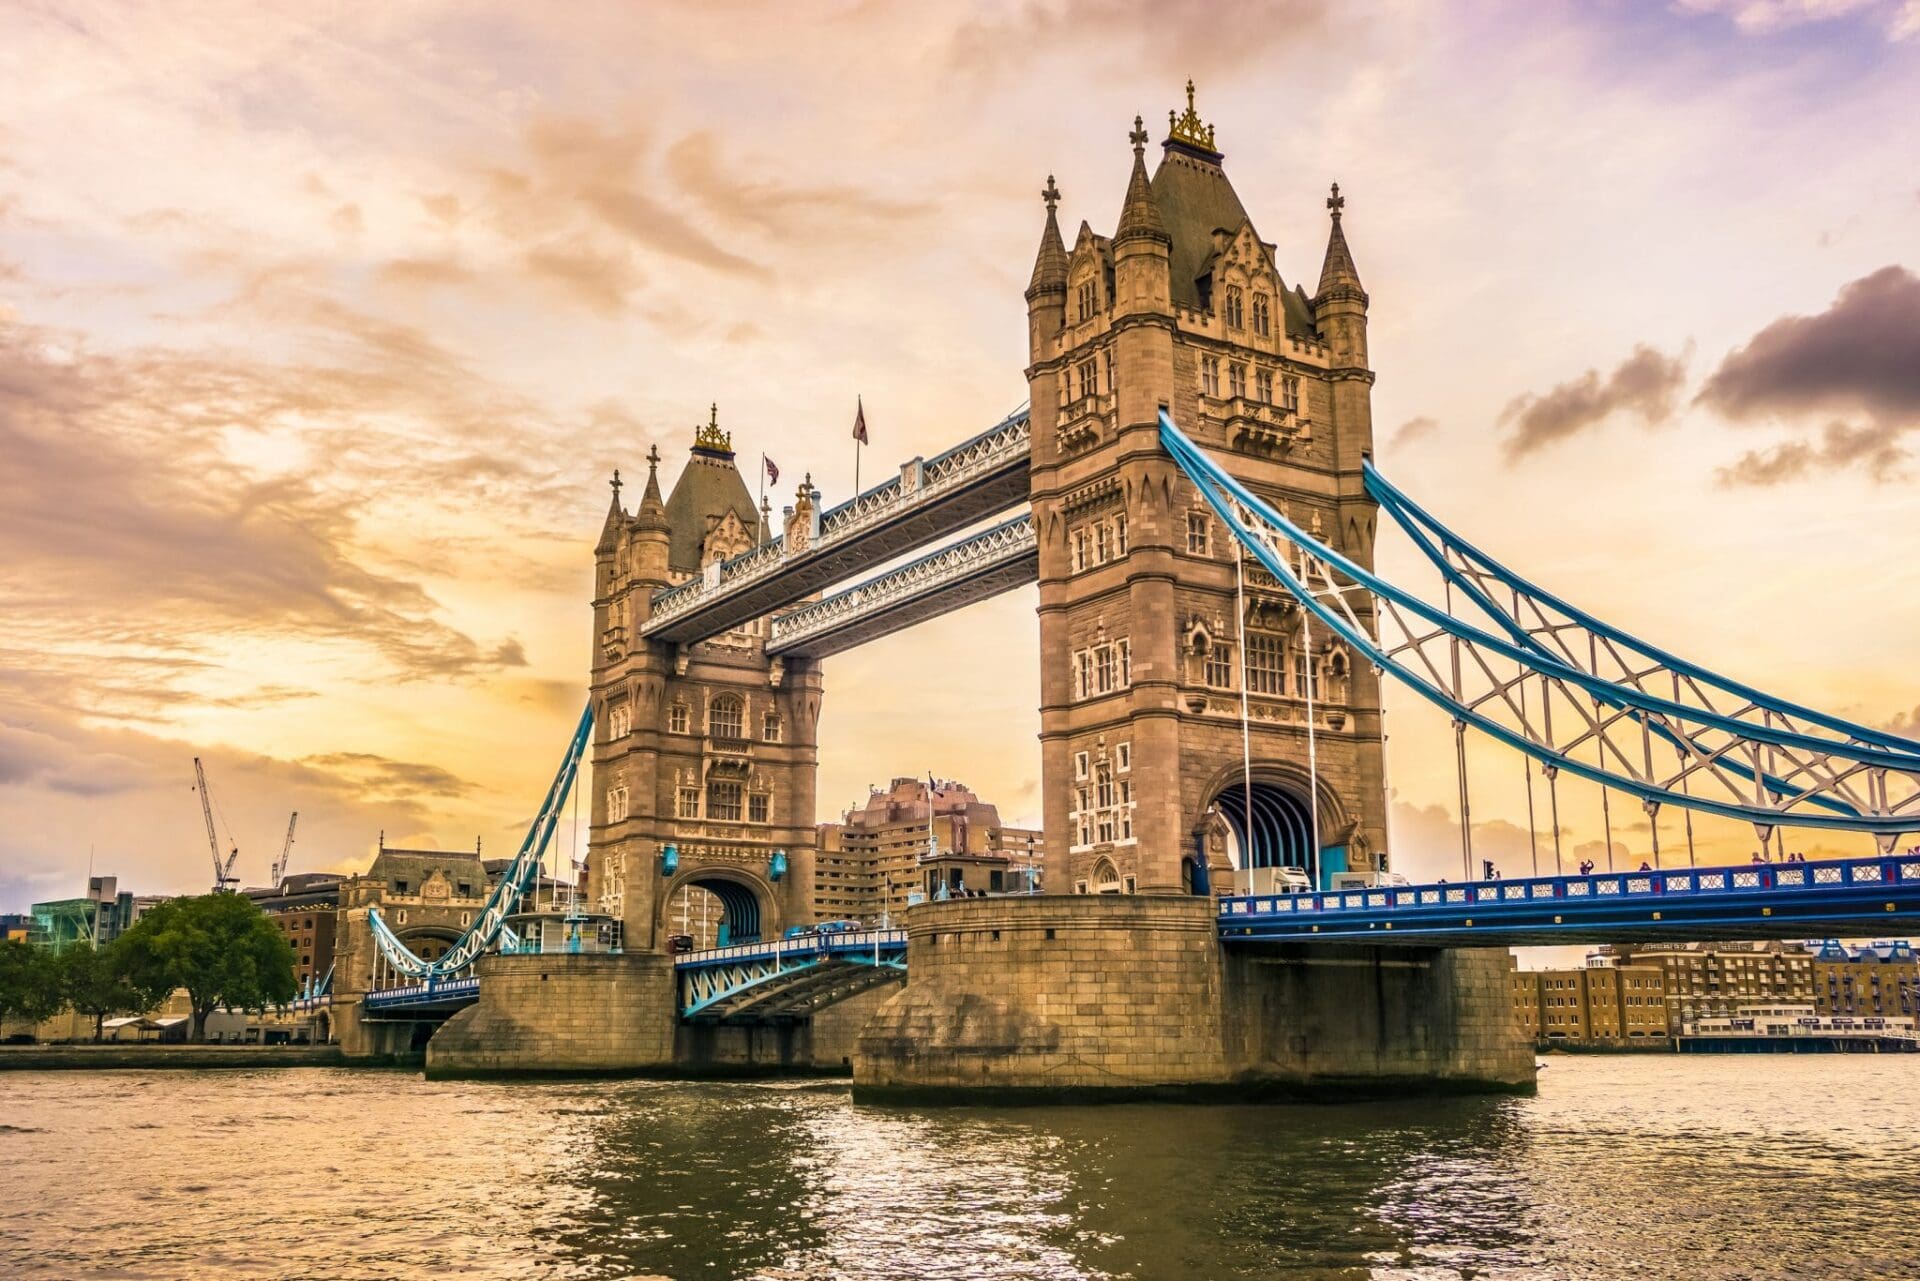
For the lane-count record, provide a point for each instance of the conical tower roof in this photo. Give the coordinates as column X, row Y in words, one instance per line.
column 652, row 512
column 1140, row 215
column 1050, row 264
column 615, row 523
column 1338, row 273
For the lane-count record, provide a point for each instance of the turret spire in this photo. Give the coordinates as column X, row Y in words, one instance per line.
column 1338, row 273
column 1140, row 216
column 652, row 511
column 1050, row 264
column 616, row 520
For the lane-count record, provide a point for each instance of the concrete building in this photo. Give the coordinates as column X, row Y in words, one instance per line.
column 1879, row 979
column 101, row 915
column 1601, row 1003
column 305, row 906
column 15, row 926
column 883, row 854
column 1711, row 980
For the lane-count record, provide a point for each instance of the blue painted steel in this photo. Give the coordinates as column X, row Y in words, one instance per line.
column 669, row 859
column 1216, row 486
column 1425, row 531
column 777, row 868
column 434, row 993
column 505, row 897
column 1768, row 899
column 711, row 979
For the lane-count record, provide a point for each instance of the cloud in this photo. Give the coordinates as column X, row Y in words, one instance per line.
column 1413, row 429
column 389, row 779
column 1861, row 354
column 1646, row 383
column 1901, row 18
column 1874, row 449
column 1184, row 34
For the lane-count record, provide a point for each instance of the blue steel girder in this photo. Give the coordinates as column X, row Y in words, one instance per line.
column 1766, row 771
column 442, row 996
column 929, row 500
column 972, row 569
column 787, row 978
column 1833, row 898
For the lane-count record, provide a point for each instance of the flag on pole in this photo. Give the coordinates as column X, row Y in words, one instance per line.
column 859, row 421
column 773, row 472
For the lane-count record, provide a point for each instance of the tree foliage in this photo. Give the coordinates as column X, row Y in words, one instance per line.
column 220, row 947
column 29, row 982
column 100, row 982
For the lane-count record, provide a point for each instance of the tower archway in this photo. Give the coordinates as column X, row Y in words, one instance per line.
column 1268, row 825
column 749, row 909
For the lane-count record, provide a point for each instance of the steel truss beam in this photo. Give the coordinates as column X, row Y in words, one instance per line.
column 972, row 569
column 931, row 499
column 1768, row 767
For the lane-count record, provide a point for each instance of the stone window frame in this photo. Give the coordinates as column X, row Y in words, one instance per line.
column 1263, row 385
column 1123, row 757
column 726, row 801
column 1082, row 549
column 1290, row 394
column 1080, row 765
column 1262, row 314
column 619, row 719
column 1216, row 666
column 1267, row 658
column 1087, row 378
column 679, row 717
column 1234, row 310
column 1199, row 534
column 1088, row 299
column 1210, row 376
column 617, row 802
column 770, row 727
column 759, row 807
column 686, row 801
column 727, row 716
column 1237, row 380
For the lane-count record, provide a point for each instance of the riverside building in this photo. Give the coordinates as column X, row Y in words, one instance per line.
column 885, row 853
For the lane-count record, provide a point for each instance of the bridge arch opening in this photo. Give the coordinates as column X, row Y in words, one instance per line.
column 1268, row 825
column 718, row 907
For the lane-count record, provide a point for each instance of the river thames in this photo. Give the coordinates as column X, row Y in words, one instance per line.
column 1749, row 1167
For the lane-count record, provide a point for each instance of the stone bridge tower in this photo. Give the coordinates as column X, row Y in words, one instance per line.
column 1151, row 657
column 707, row 748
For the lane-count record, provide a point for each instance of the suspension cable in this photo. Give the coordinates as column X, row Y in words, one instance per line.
column 1246, row 731
column 1526, row 772
column 1313, row 759
column 1460, row 755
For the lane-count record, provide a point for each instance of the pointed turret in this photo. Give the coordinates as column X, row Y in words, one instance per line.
column 616, row 521
column 1050, row 264
column 1140, row 216
column 652, row 511
column 1338, row 273
column 651, row 529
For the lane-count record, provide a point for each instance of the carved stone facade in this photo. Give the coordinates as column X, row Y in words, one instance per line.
column 1184, row 307
column 706, row 747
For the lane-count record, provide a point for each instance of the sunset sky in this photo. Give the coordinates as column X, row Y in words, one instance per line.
column 322, row 328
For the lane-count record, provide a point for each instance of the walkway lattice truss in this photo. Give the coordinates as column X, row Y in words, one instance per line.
column 788, row 979
column 490, row 926
column 1566, row 689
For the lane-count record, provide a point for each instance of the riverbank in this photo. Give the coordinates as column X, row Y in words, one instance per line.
column 59, row 1058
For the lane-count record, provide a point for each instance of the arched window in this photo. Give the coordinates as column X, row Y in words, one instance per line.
column 725, row 716
column 1105, row 878
column 1235, row 318
column 1261, row 322
column 1237, row 380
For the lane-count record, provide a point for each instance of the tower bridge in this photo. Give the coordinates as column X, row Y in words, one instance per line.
column 1193, row 491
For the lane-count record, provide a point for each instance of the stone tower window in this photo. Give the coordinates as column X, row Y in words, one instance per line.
column 1199, row 534
column 687, row 803
column 1217, row 671
column 724, row 718
column 770, row 727
column 723, row 801
column 1290, row 395
column 1237, row 380
column 1263, row 386
column 1266, row 663
column 1102, row 543
column 619, row 721
column 1261, row 323
column 1079, row 550
column 1089, row 299
column 677, row 718
column 1120, row 535
column 1089, row 371
column 1210, row 376
column 616, row 804
column 1234, row 308
column 757, row 807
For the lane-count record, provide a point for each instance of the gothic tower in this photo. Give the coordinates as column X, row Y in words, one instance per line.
column 1150, row 660
column 708, row 749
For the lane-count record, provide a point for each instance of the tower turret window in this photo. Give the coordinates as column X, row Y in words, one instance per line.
column 1263, row 386
column 1210, row 376
column 1234, row 309
column 687, row 803
column 616, row 804
column 1199, row 534
column 1237, row 380
column 677, row 718
column 1290, row 395
column 1217, row 671
column 1089, row 299
column 770, row 727
column 723, row 801
column 1261, row 322
column 724, row 718
column 619, row 721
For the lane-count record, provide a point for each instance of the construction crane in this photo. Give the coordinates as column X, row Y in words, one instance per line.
column 286, row 852
column 223, row 877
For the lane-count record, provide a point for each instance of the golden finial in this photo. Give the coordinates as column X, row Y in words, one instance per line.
column 709, row 436
column 1187, row 127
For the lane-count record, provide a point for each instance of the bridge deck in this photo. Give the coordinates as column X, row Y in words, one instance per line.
column 1768, row 900
column 787, row 978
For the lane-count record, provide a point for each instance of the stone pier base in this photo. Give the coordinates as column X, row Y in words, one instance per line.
column 613, row 1014
column 1119, row 996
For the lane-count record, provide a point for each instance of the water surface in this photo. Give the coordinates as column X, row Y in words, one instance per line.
column 1643, row 1167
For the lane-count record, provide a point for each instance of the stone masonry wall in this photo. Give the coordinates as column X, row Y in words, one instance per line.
column 562, row 1013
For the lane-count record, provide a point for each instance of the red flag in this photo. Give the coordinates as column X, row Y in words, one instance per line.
column 773, row 473
column 859, row 421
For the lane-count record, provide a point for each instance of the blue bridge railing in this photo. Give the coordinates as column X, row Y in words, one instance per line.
column 432, row 994
column 1763, row 897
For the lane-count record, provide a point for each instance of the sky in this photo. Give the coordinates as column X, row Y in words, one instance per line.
column 323, row 327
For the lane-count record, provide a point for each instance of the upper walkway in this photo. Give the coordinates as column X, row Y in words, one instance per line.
column 1838, row 897
column 928, row 500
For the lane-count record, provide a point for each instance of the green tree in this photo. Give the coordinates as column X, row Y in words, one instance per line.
column 29, row 982
column 220, row 947
column 101, row 982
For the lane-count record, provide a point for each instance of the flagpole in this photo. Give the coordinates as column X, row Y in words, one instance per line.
column 760, row 508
